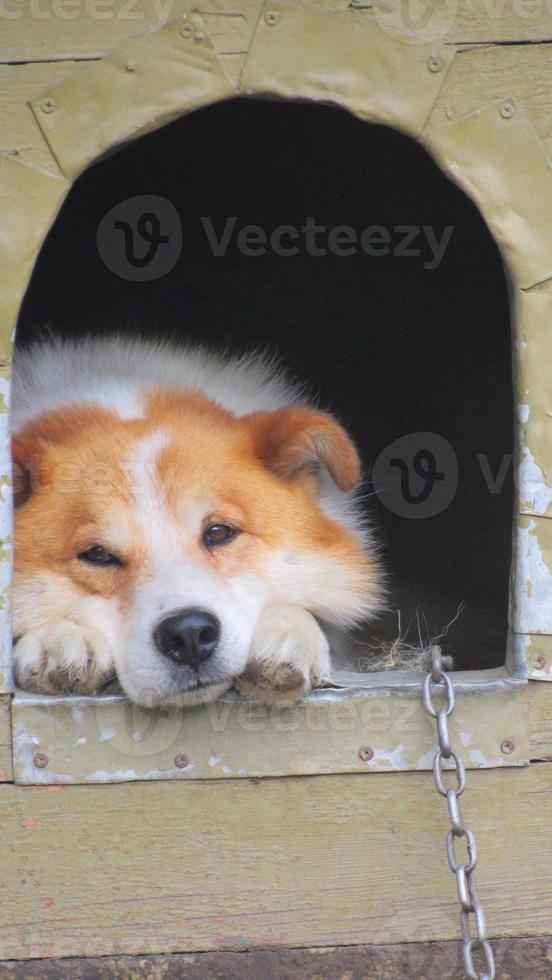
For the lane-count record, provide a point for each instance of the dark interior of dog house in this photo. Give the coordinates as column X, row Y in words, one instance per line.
column 341, row 248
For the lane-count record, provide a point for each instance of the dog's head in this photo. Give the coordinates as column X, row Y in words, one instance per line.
column 171, row 532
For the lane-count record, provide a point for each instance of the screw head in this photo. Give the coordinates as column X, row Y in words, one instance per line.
column 366, row 753
column 507, row 746
column 186, row 30
column 48, row 105
column 540, row 662
column 40, row 760
column 181, row 761
column 507, row 110
column 271, row 18
column 434, row 63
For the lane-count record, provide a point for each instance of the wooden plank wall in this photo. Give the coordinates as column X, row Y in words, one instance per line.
column 54, row 30
column 331, row 860
column 322, row 860
column 36, row 52
column 153, row 867
column 6, row 770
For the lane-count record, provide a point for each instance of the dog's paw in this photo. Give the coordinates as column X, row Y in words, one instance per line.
column 289, row 656
column 63, row 658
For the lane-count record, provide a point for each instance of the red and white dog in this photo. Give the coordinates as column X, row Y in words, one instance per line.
column 184, row 522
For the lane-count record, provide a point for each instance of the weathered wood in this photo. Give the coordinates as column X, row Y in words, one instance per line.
column 334, row 860
column 540, row 721
column 289, row 58
column 142, row 86
column 20, row 134
column 490, row 74
column 99, row 740
column 233, row 64
column 460, row 21
column 495, row 156
column 522, row 959
column 533, row 346
column 93, row 28
column 29, row 200
column 537, row 650
column 6, row 771
column 101, row 26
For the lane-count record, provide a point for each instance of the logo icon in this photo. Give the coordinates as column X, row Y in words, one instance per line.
column 140, row 239
column 416, row 476
column 416, row 21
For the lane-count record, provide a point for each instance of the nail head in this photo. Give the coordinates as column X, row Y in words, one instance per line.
column 507, row 110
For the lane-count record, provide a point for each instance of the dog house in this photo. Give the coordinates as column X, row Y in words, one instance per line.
column 89, row 783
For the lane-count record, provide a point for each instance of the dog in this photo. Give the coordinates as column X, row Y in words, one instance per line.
column 184, row 522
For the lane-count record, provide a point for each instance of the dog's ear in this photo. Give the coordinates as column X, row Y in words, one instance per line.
column 28, row 454
column 34, row 449
column 296, row 442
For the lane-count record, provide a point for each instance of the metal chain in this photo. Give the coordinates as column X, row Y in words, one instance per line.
column 464, row 871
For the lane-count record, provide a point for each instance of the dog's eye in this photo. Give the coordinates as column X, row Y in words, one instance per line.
column 217, row 534
column 96, row 555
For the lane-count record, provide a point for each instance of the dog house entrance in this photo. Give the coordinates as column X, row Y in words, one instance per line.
column 341, row 248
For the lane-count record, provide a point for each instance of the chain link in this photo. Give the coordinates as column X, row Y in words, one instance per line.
column 464, row 871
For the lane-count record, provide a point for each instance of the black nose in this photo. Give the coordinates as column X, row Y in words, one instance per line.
column 188, row 636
